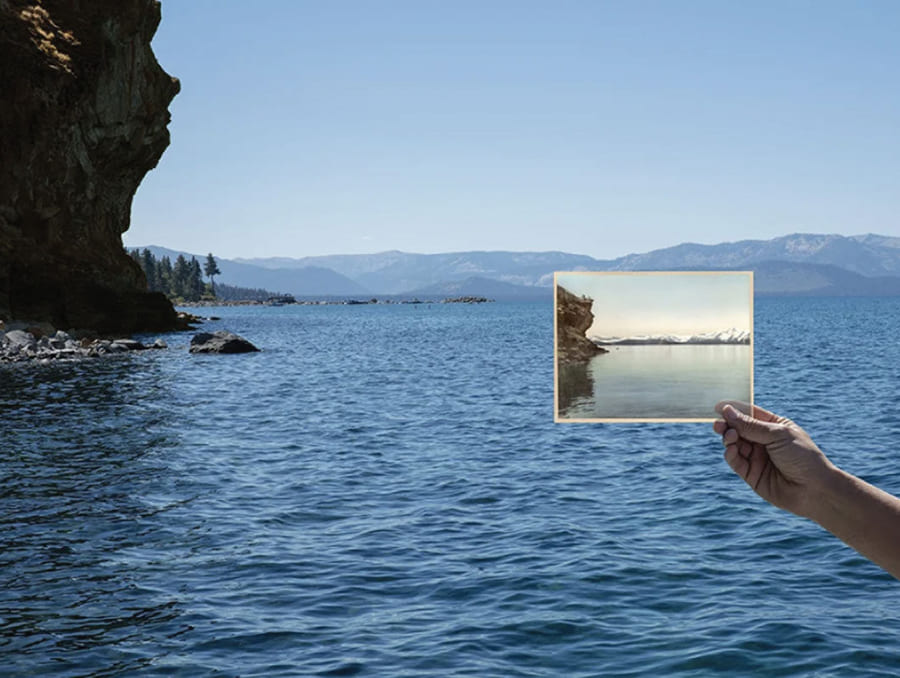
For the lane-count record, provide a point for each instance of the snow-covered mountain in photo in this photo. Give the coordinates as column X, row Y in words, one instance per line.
column 729, row 336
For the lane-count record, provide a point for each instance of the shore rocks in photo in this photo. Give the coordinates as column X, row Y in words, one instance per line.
column 220, row 341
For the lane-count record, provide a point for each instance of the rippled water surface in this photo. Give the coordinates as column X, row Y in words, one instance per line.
column 382, row 492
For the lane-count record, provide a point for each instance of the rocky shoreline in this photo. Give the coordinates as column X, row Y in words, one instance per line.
column 19, row 345
column 43, row 343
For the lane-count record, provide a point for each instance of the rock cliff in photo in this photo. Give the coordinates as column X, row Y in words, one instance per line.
column 573, row 318
column 82, row 119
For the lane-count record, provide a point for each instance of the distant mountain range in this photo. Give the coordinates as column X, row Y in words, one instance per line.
column 729, row 336
column 798, row 264
column 399, row 272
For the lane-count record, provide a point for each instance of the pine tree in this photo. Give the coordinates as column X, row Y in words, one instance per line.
column 148, row 263
column 182, row 281
column 180, row 277
column 164, row 276
column 211, row 269
column 194, row 288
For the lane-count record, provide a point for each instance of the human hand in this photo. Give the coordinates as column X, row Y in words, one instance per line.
column 773, row 455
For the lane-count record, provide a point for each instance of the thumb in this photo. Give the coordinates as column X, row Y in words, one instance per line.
column 754, row 430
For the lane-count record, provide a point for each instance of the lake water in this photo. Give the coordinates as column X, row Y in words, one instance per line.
column 656, row 382
column 382, row 492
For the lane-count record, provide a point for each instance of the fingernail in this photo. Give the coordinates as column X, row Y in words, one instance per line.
column 729, row 413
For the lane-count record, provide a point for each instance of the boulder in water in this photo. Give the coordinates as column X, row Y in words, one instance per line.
column 220, row 341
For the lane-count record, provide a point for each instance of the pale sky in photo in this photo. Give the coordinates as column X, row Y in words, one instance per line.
column 636, row 304
column 601, row 127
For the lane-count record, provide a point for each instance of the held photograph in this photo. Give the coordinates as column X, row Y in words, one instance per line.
column 656, row 346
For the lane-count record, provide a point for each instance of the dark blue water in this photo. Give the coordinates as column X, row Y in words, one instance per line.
column 383, row 492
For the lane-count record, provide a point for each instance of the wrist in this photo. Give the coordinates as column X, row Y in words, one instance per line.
column 825, row 494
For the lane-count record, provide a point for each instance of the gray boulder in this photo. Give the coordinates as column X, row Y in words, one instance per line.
column 220, row 341
column 60, row 339
column 127, row 345
column 20, row 338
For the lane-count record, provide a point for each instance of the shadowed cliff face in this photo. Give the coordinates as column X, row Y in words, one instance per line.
column 573, row 318
column 83, row 117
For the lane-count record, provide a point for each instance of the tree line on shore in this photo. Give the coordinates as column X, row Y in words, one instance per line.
column 182, row 281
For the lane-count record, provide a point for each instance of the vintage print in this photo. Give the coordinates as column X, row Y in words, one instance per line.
column 651, row 346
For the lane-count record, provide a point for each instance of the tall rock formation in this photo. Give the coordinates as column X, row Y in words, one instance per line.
column 573, row 318
column 83, row 115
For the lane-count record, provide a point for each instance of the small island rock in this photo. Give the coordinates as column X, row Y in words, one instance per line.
column 220, row 341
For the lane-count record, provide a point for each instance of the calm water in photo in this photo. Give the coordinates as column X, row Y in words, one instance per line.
column 382, row 492
column 658, row 381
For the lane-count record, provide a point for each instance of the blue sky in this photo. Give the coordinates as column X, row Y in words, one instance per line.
column 636, row 304
column 596, row 127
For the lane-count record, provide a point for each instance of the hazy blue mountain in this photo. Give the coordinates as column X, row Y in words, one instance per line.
column 304, row 281
column 796, row 278
column 868, row 255
column 401, row 272
column 801, row 263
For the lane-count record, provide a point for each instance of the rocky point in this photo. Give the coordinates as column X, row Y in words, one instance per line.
column 573, row 318
column 83, row 118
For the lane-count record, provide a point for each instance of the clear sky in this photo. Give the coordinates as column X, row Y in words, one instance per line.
column 635, row 304
column 601, row 127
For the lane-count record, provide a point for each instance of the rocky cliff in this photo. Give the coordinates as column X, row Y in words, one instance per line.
column 573, row 318
column 83, row 117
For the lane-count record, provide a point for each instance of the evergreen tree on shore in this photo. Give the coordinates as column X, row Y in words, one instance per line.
column 211, row 269
column 179, row 276
column 181, row 282
column 164, row 270
column 195, row 286
column 148, row 263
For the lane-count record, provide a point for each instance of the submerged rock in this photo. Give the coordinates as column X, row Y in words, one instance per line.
column 220, row 341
